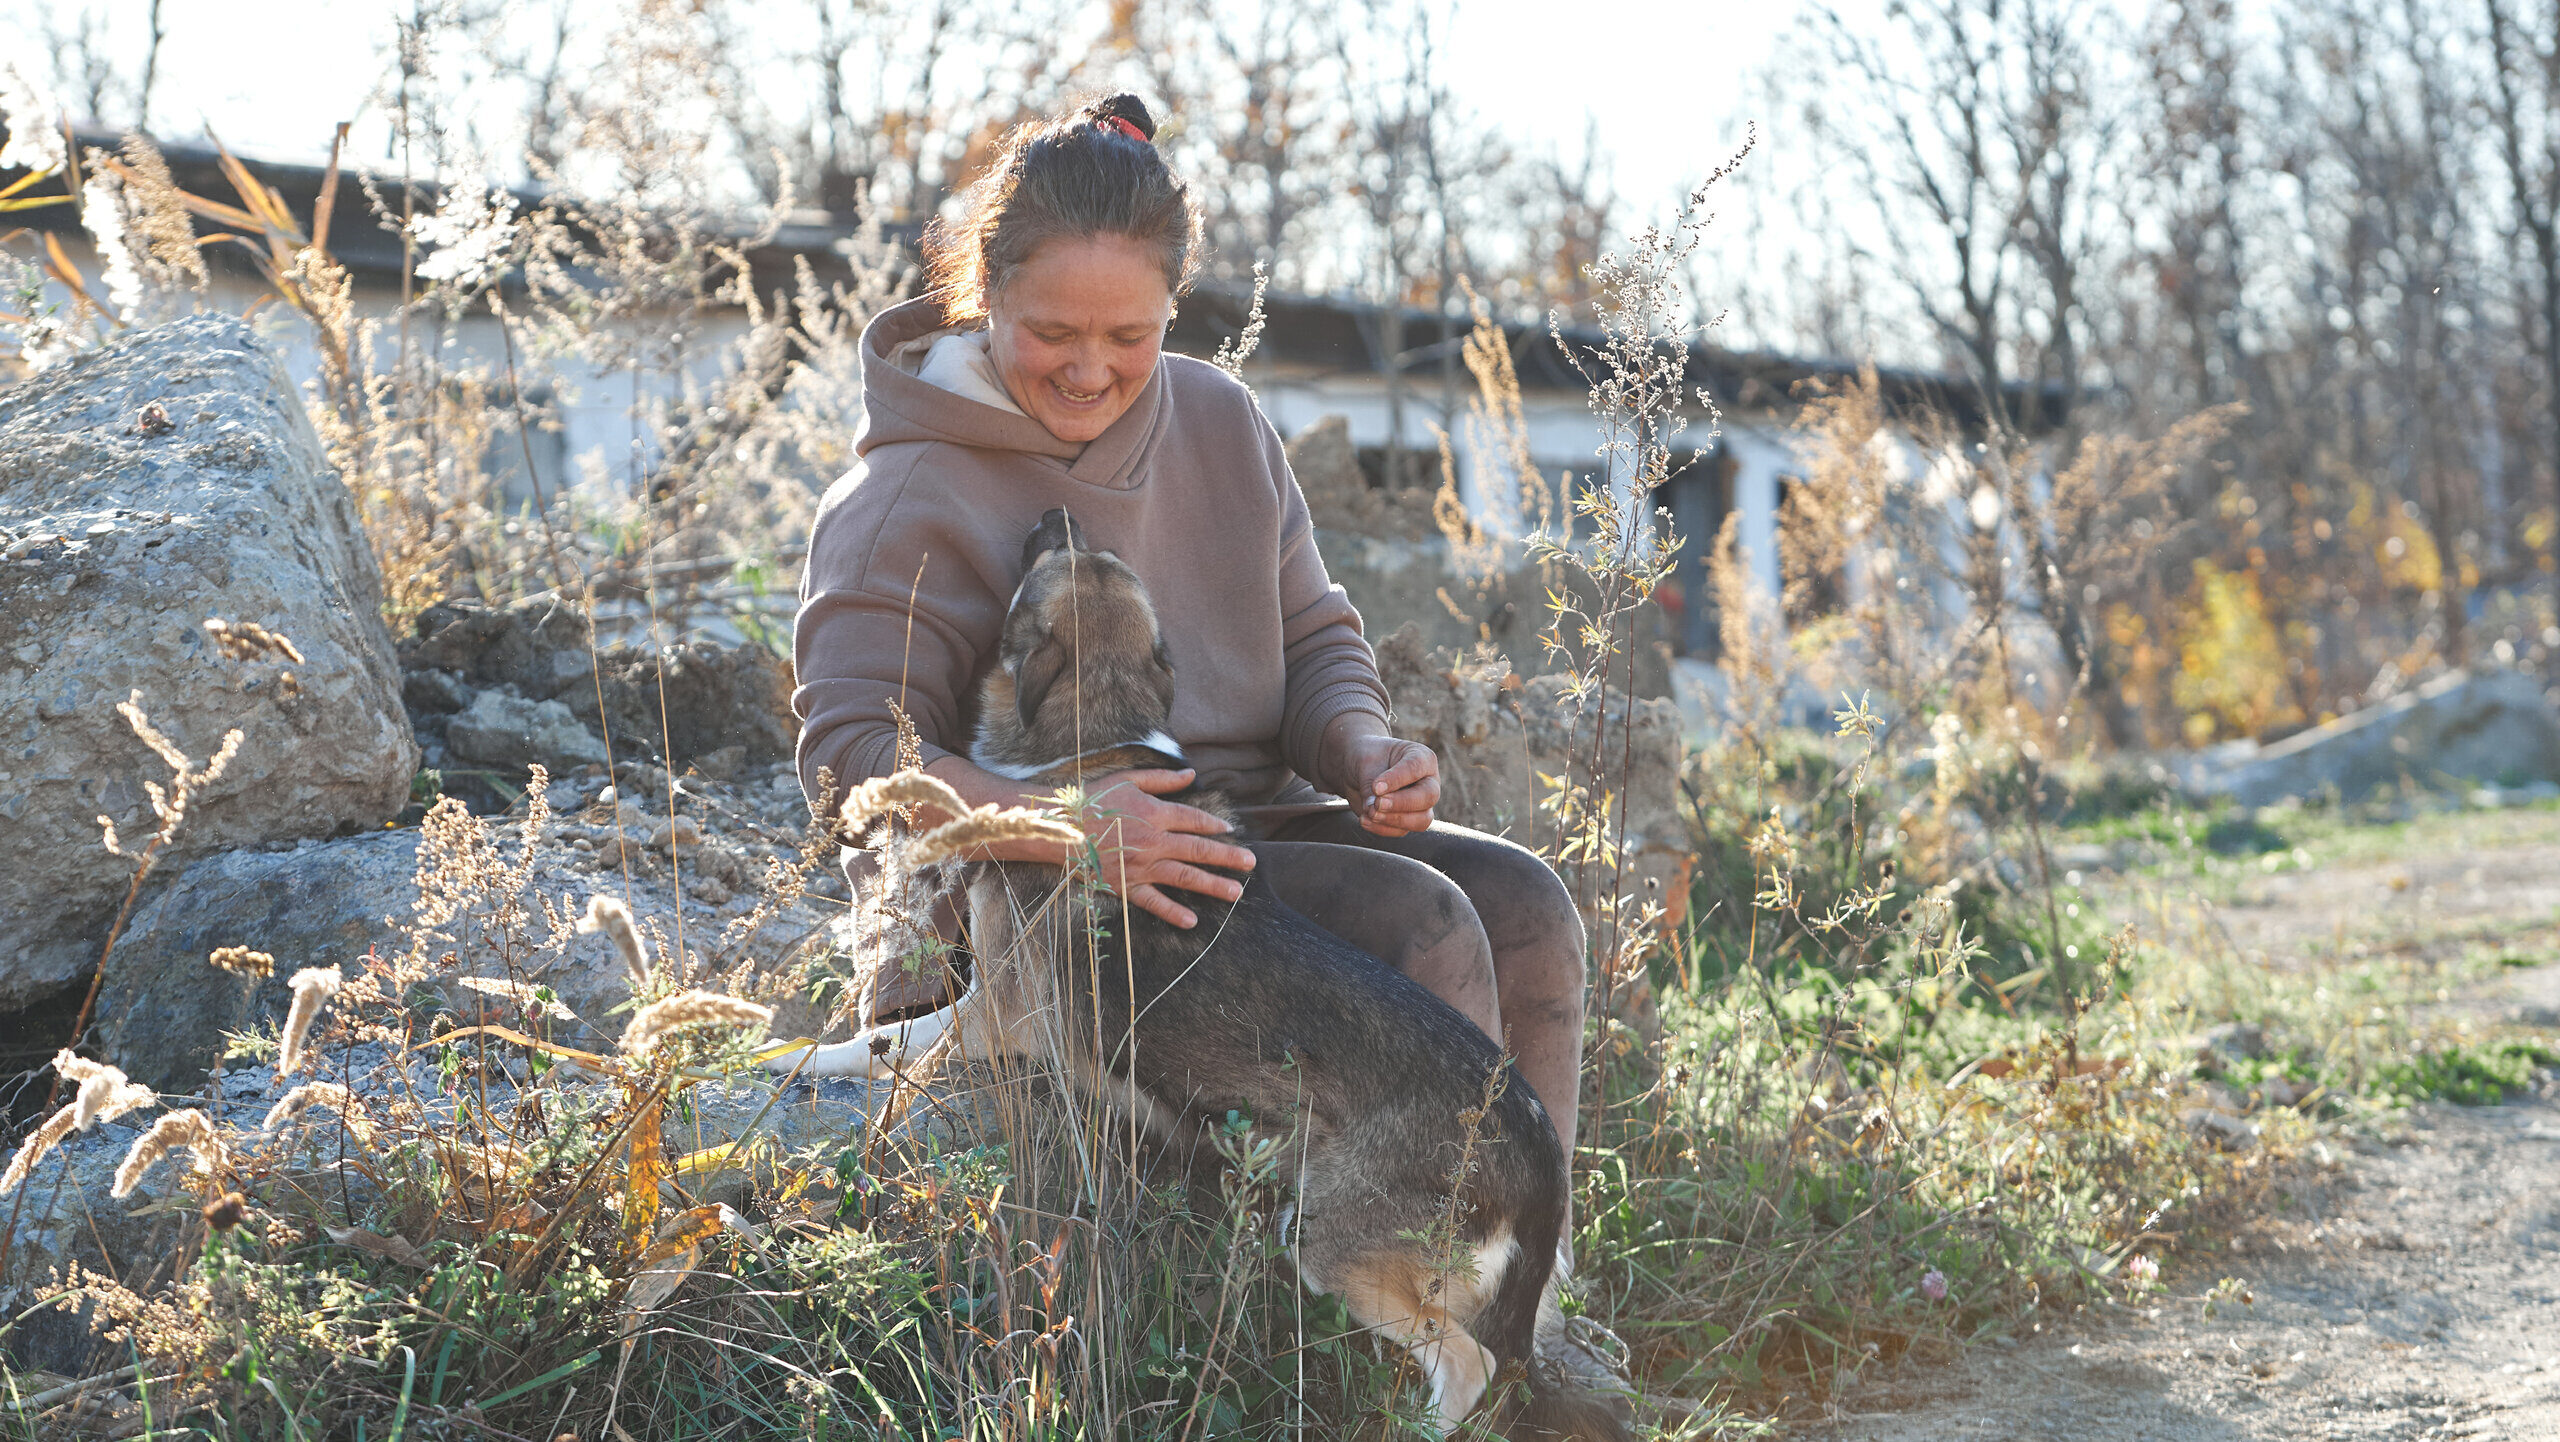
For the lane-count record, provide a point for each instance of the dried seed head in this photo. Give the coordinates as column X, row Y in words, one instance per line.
column 249, row 641
column 614, row 919
column 241, row 961
column 190, row 1129
column 41, row 1141
column 105, row 1093
column 690, row 1008
column 987, row 826
column 312, row 988
column 880, row 795
column 226, row 1211
column 78, row 1070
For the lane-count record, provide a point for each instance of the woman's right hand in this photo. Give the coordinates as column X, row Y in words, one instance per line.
column 1148, row 844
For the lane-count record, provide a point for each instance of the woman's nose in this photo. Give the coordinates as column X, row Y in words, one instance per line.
column 1088, row 371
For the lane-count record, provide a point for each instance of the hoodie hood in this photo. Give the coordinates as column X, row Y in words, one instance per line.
column 900, row 405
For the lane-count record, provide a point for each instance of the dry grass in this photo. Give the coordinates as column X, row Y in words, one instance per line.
column 516, row 1244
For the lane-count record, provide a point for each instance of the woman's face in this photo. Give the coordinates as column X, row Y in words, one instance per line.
column 1075, row 331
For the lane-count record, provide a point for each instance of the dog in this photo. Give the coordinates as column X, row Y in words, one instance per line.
column 1430, row 1190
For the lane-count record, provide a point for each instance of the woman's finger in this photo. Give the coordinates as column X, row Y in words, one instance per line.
column 1416, row 764
column 1162, row 907
column 1421, row 795
column 1156, row 782
column 1190, row 820
column 1202, row 851
column 1195, row 880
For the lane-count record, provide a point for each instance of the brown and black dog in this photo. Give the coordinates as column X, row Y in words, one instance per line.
column 1254, row 1011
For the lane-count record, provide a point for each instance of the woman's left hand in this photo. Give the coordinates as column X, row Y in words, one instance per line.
column 1394, row 783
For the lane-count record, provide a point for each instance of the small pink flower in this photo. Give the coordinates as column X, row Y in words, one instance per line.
column 1933, row 1285
column 2142, row 1274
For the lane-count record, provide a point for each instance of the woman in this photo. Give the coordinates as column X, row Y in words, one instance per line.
column 1031, row 375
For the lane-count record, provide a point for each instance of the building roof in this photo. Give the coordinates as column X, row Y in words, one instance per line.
column 374, row 253
column 1334, row 336
column 1323, row 335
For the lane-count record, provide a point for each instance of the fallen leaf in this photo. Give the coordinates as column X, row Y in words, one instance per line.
column 391, row 1248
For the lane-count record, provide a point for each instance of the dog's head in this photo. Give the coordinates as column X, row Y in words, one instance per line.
column 1082, row 649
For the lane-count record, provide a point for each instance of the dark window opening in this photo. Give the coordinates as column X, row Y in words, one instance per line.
column 1698, row 498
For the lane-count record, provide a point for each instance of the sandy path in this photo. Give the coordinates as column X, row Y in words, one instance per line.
column 2411, row 1290
column 2414, row 1291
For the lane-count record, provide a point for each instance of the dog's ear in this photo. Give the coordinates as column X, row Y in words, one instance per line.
column 1038, row 672
column 1164, row 677
column 1056, row 529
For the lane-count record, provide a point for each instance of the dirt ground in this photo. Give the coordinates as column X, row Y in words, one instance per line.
column 2410, row 1289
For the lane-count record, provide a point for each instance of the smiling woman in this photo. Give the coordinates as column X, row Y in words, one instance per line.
column 1032, row 377
column 1075, row 335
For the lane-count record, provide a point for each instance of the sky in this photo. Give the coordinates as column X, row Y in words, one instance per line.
column 1659, row 78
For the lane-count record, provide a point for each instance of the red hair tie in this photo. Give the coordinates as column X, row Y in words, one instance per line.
column 1122, row 124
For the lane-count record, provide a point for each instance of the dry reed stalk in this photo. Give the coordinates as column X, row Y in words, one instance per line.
column 988, row 826
column 689, row 1009
column 104, row 1095
column 313, row 986
column 38, row 1143
column 881, row 795
column 190, row 1129
column 249, row 641
column 614, row 919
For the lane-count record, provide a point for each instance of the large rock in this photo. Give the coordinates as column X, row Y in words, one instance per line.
column 167, row 477
column 678, row 703
column 1496, row 734
column 162, row 1009
column 2459, row 729
column 516, row 734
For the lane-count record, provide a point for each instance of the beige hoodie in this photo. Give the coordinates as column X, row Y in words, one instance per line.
column 918, row 549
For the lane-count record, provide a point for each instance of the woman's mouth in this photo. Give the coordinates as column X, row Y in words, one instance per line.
column 1075, row 397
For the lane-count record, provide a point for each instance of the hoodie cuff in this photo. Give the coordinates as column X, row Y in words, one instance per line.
column 864, row 758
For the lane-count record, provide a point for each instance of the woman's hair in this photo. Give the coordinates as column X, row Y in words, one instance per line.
column 1093, row 171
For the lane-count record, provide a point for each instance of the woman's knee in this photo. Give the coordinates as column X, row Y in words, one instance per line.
column 1447, row 950
column 1526, row 909
column 1405, row 913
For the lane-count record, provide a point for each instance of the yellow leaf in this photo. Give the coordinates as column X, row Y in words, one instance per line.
column 604, row 1064
column 713, row 1159
column 641, row 1180
column 686, row 1231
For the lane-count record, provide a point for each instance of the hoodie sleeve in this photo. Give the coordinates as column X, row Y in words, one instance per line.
column 876, row 635
column 1331, row 670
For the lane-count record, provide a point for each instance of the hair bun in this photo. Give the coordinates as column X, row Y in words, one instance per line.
column 1125, row 106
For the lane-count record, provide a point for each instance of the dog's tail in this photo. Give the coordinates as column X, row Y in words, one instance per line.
column 1551, row 1407
column 875, row 1053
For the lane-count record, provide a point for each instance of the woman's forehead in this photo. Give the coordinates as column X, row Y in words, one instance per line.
column 1096, row 282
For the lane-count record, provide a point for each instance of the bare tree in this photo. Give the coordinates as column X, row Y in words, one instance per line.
column 2524, row 91
column 1979, row 148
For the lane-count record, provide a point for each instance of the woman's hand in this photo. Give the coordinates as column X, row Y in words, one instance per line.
column 1392, row 784
column 1148, row 844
